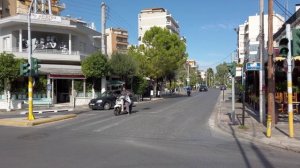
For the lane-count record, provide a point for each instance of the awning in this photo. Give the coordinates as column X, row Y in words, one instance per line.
column 62, row 71
column 58, row 76
column 297, row 58
column 279, row 59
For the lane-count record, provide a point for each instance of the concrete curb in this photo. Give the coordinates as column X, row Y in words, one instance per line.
column 46, row 111
column 23, row 122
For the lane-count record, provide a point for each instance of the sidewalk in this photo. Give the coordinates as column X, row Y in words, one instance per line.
column 253, row 130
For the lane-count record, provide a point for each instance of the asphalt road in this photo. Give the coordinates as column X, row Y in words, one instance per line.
column 169, row 133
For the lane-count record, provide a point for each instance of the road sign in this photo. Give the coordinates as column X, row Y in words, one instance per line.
column 49, row 87
column 253, row 66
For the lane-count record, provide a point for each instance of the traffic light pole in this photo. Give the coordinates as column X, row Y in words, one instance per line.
column 290, row 83
column 30, row 89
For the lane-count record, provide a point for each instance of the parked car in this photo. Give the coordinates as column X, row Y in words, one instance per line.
column 203, row 88
column 105, row 101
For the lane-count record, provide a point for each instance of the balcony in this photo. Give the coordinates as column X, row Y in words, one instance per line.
column 49, row 54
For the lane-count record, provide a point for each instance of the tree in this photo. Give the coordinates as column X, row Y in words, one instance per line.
column 222, row 73
column 210, row 76
column 95, row 66
column 123, row 66
column 163, row 52
column 9, row 71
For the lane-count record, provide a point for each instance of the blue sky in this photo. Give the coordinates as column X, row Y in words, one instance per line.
column 207, row 25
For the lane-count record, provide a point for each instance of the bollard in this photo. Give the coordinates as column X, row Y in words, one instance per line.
column 269, row 126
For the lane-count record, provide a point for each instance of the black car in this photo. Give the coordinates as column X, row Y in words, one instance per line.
column 203, row 88
column 105, row 101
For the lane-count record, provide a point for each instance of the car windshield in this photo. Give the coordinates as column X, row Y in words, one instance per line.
column 105, row 94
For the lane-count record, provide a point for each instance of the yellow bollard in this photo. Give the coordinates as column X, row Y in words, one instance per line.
column 269, row 126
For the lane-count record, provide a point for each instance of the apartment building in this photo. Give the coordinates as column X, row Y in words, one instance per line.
column 60, row 43
column 249, row 34
column 159, row 17
column 116, row 40
column 14, row 7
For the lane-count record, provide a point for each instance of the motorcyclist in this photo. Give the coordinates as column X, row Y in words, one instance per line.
column 188, row 90
column 127, row 99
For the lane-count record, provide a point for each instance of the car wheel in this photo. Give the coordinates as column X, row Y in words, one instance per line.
column 106, row 106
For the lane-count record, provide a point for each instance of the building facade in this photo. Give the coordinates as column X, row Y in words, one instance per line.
column 249, row 35
column 14, row 7
column 116, row 40
column 59, row 43
column 159, row 17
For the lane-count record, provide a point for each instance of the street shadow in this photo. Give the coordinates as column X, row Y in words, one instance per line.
column 283, row 132
column 258, row 152
column 261, row 156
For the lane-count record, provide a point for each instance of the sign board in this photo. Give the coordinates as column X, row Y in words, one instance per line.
column 47, row 18
column 253, row 66
column 49, row 87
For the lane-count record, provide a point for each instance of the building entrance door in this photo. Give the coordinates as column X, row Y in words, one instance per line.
column 63, row 90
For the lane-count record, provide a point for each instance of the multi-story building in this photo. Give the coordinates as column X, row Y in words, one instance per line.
column 60, row 43
column 249, row 34
column 14, row 7
column 159, row 17
column 192, row 65
column 116, row 40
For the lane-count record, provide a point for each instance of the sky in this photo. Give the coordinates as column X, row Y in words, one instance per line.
column 207, row 25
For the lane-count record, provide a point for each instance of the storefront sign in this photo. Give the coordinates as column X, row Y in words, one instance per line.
column 253, row 66
column 48, row 18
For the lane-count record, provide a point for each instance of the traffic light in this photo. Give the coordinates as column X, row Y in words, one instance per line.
column 35, row 66
column 296, row 42
column 232, row 69
column 24, row 69
column 283, row 47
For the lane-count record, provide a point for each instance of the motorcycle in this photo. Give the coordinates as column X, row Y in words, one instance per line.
column 189, row 93
column 120, row 107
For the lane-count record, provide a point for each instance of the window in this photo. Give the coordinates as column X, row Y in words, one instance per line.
column 6, row 43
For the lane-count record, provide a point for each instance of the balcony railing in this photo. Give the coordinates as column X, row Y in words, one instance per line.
column 47, row 51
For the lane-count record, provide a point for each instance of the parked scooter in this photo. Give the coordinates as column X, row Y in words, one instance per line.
column 120, row 106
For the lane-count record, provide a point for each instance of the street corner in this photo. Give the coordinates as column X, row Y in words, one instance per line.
column 24, row 122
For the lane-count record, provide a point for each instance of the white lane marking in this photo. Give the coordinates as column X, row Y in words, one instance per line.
column 73, row 123
column 94, row 123
column 115, row 124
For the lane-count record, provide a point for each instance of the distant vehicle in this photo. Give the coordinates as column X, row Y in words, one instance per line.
column 222, row 87
column 203, row 88
column 105, row 101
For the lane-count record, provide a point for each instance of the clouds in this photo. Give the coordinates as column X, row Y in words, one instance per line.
column 219, row 26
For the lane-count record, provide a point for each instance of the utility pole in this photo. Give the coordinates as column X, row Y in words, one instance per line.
column 262, row 110
column 188, row 74
column 103, row 42
column 271, row 74
column 233, row 91
column 290, row 82
column 30, row 88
